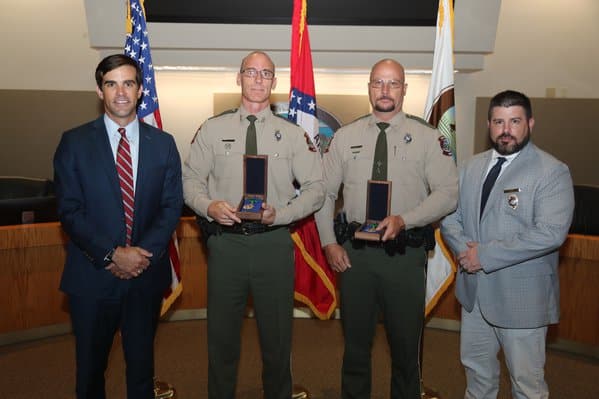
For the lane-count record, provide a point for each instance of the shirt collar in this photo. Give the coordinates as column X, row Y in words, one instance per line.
column 132, row 129
column 508, row 158
column 262, row 115
column 396, row 120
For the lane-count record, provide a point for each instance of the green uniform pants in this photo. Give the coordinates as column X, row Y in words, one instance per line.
column 260, row 265
column 394, row 286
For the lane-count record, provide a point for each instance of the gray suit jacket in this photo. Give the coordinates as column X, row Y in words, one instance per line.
column 525, row 221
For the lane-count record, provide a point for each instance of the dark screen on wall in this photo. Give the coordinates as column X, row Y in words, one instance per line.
column 320, row 12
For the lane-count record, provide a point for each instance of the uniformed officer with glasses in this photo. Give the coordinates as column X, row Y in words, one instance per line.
column 254, row 257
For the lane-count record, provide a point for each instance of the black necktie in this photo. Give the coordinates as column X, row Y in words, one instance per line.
column 489, row 182
column 251, row 148
column 379, row 167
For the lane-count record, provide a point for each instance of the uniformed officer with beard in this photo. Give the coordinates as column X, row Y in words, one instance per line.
column 424, row 189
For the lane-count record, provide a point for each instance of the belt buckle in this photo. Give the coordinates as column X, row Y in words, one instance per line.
column 245, row 230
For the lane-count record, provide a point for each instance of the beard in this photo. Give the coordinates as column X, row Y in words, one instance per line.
column 511, row 148
column 384, row 108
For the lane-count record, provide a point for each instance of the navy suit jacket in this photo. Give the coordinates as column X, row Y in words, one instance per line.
column 91, row 210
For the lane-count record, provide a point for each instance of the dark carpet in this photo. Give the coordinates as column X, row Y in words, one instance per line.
column 45, row 368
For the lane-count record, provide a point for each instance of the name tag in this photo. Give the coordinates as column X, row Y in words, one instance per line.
column 511, row 190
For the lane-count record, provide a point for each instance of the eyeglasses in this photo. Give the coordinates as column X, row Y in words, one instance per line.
column 379, row 83
column 253, row 72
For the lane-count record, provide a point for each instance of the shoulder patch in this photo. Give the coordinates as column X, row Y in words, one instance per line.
column 445, row 147
column 419, row 120
column 311, row 145
column 325, row 149
column 229, row 111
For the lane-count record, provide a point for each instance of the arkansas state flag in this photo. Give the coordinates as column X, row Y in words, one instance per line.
column 314, row 279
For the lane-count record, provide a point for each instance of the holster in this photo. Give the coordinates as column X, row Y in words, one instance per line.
column 421, row 236
column 207, row 228
column 340, row 228
column 343, row 230
column 414, row 238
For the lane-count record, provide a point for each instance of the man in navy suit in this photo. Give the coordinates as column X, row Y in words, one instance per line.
column 514, row 210
column 119, row 226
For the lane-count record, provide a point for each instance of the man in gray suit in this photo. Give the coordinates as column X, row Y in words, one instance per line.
column 514, row 210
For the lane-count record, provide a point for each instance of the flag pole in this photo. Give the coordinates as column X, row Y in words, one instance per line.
column 440, row 112
column 137, row 47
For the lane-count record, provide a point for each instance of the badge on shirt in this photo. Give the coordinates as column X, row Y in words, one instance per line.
column 512, row 201
column 512, row 198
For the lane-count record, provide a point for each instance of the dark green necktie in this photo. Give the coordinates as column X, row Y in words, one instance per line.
column 251, row 148
column 379, row 167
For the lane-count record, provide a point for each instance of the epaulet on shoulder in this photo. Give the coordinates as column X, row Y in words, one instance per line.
column 419, row 120
column 285, row 119
column 361, row 117
column 229, row 111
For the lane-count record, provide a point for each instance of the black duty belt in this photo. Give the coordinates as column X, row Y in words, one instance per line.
column 413, row 238
column 249, row 228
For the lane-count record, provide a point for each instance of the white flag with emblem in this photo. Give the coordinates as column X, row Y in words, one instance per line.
column 440, row 112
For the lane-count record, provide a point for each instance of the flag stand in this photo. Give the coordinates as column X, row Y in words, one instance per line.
column 428, row 393
column 299, row 392
column 164, row 390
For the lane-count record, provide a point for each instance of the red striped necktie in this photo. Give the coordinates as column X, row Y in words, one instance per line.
column 125, row 171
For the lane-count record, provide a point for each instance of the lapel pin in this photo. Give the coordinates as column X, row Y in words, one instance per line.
column 278, row 135
column 407, row 138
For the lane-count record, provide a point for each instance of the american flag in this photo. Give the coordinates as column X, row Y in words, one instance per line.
column 137, row 46
column 314, row 279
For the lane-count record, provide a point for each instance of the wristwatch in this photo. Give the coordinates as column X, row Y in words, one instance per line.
column 109, row 255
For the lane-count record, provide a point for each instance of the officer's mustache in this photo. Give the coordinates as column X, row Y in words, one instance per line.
column 385, row 98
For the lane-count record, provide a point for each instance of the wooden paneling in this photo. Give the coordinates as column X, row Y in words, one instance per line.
column 579, row 289
column 32, row 258
column 579, row 293
column 31, row 263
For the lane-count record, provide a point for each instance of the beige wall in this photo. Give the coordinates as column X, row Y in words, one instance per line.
column 44, row 45
column 539, row 45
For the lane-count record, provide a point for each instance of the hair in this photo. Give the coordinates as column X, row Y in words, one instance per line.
column 113, row 62
column 510, row 98
column 241, row 67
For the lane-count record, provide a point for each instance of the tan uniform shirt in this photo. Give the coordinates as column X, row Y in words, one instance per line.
column 214, row 168
column 424, row 177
